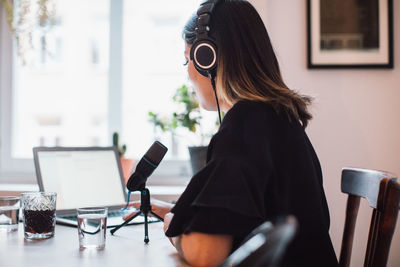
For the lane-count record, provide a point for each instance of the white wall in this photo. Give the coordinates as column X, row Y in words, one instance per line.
column 356, row 114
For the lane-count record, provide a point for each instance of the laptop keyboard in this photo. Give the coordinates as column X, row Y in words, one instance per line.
column 113, row 213
column 120, row 213
column 114, row 218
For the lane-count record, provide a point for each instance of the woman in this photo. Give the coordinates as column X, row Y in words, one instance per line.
column 260, row 164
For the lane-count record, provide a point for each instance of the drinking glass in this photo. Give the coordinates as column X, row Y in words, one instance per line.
column 39, row 210
column 9, row 213
column 92, row 225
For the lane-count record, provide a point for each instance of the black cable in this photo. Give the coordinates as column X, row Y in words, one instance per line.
column 212, row 78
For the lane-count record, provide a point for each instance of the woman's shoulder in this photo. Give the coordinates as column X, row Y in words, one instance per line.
column 254, row 122
column 247, row 113
column 247, row 122
column 250, row 106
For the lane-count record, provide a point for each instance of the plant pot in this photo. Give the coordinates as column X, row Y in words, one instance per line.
column 127, row 166
column 198, row 157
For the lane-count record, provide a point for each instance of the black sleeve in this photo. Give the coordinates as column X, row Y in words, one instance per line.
column 218, row 200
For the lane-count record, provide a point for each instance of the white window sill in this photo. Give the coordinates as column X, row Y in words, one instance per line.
column 162, row 192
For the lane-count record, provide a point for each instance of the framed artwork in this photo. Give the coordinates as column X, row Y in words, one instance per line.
column 349, row 34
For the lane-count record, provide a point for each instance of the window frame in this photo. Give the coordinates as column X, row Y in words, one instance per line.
column 17, row 170
column 9, row 167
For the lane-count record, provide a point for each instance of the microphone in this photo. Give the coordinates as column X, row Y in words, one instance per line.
column 146, row 166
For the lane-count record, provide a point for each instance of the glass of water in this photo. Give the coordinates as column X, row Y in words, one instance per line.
column 92, row 224
column 9, row 213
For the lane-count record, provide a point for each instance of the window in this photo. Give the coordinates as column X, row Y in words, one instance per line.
column 60, row 95
column 105, row 64
column 152, row 42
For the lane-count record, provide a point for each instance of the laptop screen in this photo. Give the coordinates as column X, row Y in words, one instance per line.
column 81, row 178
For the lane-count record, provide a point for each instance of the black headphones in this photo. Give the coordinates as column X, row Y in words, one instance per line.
column 203, row 52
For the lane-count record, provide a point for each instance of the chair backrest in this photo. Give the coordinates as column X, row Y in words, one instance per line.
column 388, row 207
column 265, row 246
column 371, row 185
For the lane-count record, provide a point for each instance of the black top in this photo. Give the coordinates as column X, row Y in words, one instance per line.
column 260, row 164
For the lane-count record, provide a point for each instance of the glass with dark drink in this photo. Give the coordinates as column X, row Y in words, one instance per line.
column 39, row 210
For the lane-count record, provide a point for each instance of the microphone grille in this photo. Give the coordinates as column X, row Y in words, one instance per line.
column 156, row 153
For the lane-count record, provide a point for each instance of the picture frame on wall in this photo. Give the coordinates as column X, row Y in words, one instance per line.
column 349, row 34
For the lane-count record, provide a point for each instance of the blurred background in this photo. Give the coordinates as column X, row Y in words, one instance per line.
column 104, row 64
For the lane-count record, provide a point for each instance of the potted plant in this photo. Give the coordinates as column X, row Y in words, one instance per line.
column 188, row 117
column 126, row 163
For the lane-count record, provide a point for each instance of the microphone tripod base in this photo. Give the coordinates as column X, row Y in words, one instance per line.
column 145, row 209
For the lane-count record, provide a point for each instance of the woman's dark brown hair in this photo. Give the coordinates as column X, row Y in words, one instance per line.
column 247, row 65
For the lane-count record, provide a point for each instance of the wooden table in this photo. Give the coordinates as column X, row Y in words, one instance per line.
column 125, row 248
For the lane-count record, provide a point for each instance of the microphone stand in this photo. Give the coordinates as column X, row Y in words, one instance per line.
column 145, row 209
column 137, row 182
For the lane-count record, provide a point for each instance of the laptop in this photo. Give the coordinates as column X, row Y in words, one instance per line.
column 83, row 177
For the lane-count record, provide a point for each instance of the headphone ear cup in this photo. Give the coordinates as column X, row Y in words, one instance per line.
column 203, row 53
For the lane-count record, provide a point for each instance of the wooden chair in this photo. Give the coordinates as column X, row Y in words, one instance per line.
column 381, row 191
column 265, row 246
